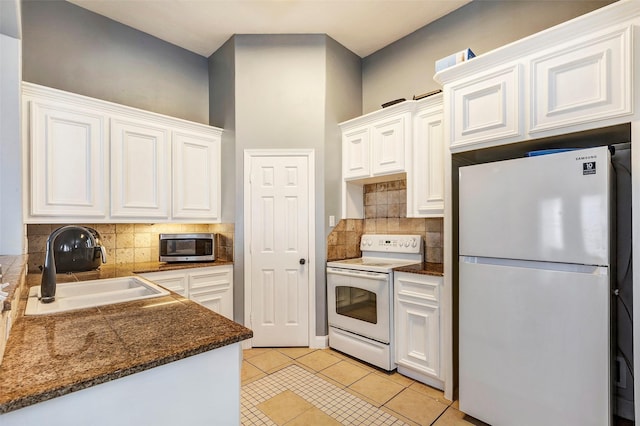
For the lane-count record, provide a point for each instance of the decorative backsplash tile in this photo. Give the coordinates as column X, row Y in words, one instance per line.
column 385, row 211
column 129, row 242
column 344, row 241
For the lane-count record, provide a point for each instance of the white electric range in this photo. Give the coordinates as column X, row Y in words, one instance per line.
column 360, row 297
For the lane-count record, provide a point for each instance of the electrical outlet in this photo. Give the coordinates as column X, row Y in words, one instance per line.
column 332, row 220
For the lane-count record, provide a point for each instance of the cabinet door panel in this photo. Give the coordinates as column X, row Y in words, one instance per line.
column 426, row 179
column 196, row 177
column 487, row 108
column 418, row 342
column 417, row 323
column 586, row 81
column 139, row 170
column 356, row 154
column 68, row 161
column 388, row 145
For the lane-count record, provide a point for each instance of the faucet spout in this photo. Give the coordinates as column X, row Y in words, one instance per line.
column 48, row 282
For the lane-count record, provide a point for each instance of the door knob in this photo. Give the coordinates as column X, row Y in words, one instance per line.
column 302, row 261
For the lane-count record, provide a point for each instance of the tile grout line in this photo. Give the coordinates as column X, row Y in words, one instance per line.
column 316, row 367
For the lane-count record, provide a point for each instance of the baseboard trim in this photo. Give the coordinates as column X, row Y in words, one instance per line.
column 319, row 342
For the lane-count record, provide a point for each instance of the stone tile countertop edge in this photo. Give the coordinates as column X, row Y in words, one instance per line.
column 424, row 268
column 53, row 355
column 13, row 268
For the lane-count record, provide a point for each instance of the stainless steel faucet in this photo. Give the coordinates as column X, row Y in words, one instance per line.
column 48, row 283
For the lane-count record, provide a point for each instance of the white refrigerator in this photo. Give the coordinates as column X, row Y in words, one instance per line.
column 534, row 289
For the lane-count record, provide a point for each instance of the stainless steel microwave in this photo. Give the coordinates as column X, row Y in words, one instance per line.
column 195, row 247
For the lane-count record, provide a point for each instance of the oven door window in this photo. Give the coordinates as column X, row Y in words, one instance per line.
column 356, row 303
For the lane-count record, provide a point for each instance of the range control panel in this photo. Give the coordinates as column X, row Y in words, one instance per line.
column 391, row 243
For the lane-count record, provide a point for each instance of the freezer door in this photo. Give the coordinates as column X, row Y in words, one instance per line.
column 534, row 345
column 551, row 208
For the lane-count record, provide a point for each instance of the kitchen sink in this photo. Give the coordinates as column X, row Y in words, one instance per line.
column 87, row 294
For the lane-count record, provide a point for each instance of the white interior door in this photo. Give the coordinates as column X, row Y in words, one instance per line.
column 278, row 232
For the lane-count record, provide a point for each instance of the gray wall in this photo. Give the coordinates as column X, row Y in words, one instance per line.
column 290, row 93
column 279, row 104
column 222, row 113
column 343, row 102
column 72, row 49
column 406, row 67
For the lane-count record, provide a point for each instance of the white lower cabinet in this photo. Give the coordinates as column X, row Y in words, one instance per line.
column 211, row 287
column 417, row 327
column 176, row 281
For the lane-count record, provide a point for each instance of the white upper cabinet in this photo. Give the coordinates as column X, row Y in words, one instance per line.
column 355, row 153
column 377, row 144
column 88, row 160
column 67, row 148
column 404, row 139
column 390, row 140
column 486, row 107
column 585, row 80
column 573, row 77
column 196, row 176
column 140, row 170
column 425, row 182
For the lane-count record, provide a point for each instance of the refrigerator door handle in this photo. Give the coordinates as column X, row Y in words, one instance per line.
column 551, row 266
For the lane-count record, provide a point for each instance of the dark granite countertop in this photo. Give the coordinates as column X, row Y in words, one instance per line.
column 424, row 268
column 53, row 355
column 109, row 270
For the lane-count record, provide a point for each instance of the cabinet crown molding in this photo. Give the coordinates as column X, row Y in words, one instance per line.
column 394, row 110
column 57, row 95
column 606, row 18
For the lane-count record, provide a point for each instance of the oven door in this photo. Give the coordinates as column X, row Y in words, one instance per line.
column 360, row 302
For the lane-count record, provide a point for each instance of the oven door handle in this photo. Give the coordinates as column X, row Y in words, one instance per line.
column 362, row 274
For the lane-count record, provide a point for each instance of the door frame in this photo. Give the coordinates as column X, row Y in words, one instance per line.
column 249, row 154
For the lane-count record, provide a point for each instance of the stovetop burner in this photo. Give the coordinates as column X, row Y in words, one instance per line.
column 382, row 253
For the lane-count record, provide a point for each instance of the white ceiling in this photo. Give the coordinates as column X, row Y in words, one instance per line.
column 202, row 26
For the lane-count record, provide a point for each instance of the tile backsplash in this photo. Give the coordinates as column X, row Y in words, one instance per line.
column 131, row 243
column 385, row 210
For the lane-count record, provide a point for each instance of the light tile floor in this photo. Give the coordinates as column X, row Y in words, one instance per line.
column 302, row 386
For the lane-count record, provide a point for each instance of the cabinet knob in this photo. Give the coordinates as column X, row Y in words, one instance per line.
column 302, row 261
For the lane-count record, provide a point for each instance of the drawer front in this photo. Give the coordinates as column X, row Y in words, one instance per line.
column 487, row 108
column 423, row 288
column 586, row 81
column 176, row 282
